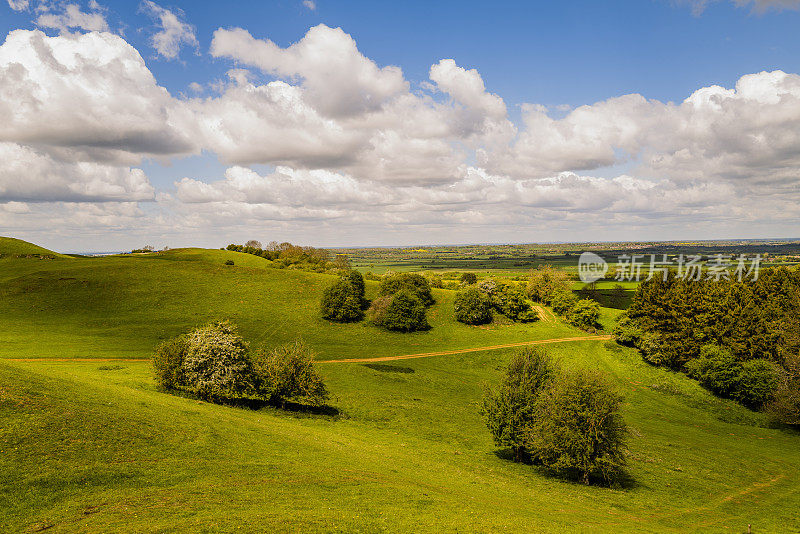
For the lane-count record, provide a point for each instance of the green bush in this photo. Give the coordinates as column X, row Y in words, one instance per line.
column 716, row 369
column 168, row 363
column 472, row 306
column 287, row 373
column 563, row 301
column 469, row 279
column 758, row 381
column 414, row 283
column 343, row 301
column 228, row 262
column 510, row 409
column 626, row 332
column 579, row 432
column 585, row 314
column 217, row 362
column 752, row 383
column 402, row 312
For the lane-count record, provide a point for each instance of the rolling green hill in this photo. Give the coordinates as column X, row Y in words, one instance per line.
column 92, row 446
column 10, row 246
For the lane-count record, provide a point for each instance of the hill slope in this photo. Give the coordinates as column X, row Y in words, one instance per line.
column 122, row 306
column 93, row 446
column 10, row 246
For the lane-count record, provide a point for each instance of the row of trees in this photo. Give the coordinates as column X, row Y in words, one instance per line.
column 569, row 422
column 740, row 339
column 294, row 256
column 215, row 363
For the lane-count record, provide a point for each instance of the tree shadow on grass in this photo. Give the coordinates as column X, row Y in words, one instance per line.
column 624, row 480
column 249, row 403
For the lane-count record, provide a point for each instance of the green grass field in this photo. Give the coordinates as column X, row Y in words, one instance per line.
column 92, row 446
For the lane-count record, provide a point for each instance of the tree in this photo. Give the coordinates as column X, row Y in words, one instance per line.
column 578, row 431
column 253, row 244
column 287, row 373
column 167, row 360
column 357, row 280
column 342, row 301
column 217, row 362
column 510, row 409
column 785, row 405
column 545, row 282
column 403, row 311
column 563, row 301
column 469, row 278
column 585, row 315
column 472, row 306
column 412, row 282
column 513, row 304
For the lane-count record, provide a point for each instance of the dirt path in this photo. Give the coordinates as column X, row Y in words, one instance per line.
column 545, row 315
column 463, row 351
column 349, row 360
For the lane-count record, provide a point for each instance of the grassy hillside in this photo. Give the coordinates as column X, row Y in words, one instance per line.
column 122, row 306
column 10, row 246
column 92, row 446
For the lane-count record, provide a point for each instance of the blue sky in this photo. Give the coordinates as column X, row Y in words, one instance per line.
column 559, row 55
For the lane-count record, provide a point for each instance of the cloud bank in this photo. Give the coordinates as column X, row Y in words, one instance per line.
column 355, row 146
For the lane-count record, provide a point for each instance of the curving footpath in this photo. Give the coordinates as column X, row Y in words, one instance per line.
column 463, row 351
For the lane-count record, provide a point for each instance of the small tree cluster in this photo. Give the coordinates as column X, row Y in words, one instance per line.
column 468, row 279
column 568, row 422
column 345, row 301
column 476, row 304
column 215, row 363
column 402, row 303
column 401, row 312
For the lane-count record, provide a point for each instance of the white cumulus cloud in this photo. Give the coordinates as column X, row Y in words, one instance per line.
column 173, row 32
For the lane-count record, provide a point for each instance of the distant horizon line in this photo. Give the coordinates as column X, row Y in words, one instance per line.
column 475, row 244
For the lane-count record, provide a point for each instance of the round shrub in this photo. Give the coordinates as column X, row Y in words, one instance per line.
column 472, row 306
column 402, row 312
column 217, row 362
column 228, row 262
column 168, row 363
column 579, row 431
column 287, row 373
column 585, row 315
column 343, row 302
column 626, row 332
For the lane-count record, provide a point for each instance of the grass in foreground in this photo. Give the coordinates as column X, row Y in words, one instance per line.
column 95, row 448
